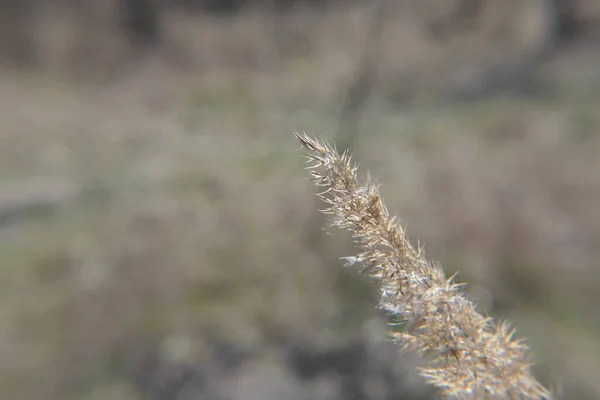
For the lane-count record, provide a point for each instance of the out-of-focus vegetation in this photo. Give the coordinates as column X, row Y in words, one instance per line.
column 159, row 239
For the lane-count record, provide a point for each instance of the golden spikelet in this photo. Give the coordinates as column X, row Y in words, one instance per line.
column 469, row 357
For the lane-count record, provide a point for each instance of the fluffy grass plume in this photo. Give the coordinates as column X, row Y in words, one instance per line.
column 468, row 355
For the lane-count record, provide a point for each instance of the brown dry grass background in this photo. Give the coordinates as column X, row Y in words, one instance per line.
column 151, row 201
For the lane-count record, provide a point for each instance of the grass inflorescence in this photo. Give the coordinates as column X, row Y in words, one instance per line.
column 468, row 355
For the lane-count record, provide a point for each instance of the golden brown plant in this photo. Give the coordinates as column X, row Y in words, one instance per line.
column 469, row 357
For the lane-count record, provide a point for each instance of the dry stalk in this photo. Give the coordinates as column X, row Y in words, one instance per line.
column 468, row 356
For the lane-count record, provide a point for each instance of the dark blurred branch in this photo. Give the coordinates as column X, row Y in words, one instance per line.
column 361, row 86
column 563, row 17
column 355, row 100
column 16, row 32
column 141, row 20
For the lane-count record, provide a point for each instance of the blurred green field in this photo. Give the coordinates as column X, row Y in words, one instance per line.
column 164, row 205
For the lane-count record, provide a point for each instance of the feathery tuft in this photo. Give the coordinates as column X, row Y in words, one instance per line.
column 469, row 357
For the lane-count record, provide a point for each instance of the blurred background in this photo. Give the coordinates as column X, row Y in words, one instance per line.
column 159, row 239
